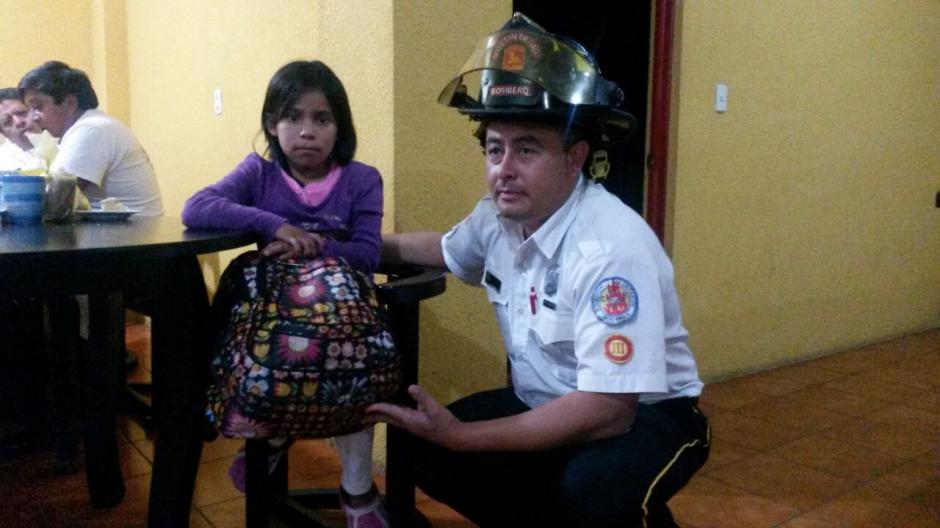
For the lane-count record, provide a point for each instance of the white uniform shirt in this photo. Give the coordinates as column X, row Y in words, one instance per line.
column 100, row 149
column 586, row 303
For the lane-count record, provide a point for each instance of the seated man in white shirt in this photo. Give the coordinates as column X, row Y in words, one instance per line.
column 93, row 146
column 15, row 120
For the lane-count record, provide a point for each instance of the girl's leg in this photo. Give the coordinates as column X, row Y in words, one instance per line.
column 358, row 495
column 355, row 452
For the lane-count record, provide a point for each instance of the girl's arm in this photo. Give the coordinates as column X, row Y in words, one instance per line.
column 230, row 203
column 362, row 249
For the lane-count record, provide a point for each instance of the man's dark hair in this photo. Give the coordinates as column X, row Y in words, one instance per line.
column 570, row 133
column 291, row 82
column 57, row 80
column 10, row 93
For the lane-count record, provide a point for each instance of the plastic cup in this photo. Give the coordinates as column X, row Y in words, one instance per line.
column 23, row 197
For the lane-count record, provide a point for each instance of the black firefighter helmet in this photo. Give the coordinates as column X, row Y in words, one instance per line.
column 527, row 73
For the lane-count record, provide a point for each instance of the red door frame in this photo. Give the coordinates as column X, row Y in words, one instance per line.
column 661, row 94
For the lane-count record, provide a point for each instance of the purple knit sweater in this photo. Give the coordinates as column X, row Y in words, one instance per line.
column 255, row 197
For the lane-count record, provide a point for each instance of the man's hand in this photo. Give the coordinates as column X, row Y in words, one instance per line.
column 431, row 420
column 293, row 242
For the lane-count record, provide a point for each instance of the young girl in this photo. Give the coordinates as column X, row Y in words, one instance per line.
column 309, row 198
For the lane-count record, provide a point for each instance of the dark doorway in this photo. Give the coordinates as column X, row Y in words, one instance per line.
column 618, row 34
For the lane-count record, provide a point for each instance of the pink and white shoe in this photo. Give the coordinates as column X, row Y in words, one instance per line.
column 372, row 515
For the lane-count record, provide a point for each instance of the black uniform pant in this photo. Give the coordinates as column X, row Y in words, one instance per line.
column 623, row 481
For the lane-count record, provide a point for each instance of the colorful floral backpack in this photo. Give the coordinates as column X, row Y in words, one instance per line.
column 303, row 349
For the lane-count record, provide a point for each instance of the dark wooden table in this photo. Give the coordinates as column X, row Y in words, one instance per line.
column 156, row 258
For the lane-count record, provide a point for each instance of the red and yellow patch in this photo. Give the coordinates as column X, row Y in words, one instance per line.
column 514, row 57
column 618, row 349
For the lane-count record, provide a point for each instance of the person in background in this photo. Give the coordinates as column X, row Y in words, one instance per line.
column 96, row 148
column 308, row 198
column 25, row 410
column 15, row 120
column 601, row 425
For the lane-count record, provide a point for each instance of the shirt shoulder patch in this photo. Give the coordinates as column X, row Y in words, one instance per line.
column 618, row 349
column 614, row 301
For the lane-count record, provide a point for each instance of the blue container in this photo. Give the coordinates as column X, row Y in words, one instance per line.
column 23, row 197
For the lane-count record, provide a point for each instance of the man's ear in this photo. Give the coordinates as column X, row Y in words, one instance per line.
column 70, row 102
column 577, row 155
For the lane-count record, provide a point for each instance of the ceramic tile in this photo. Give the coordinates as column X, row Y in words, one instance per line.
column 770, row 383
column 314, row 457
column 808, row 372
column 901, row 415
column 836, row 457
column 750, row 432
column 220, row 447
column 895, row 439
column 131, row 429
column 442, row 516
column 795, row 485
column 914, row 480
column 857, row 359
column 709, row 503
column 213, row 484
column 866, row 509
column 724, row 452
column 867, row 386
column 133, row 462
column 835, row 400
column 928, row 401
column 793, row 413
column 227, row 514
column 729, row 396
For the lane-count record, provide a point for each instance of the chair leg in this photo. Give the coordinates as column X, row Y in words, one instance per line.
column 257, row 490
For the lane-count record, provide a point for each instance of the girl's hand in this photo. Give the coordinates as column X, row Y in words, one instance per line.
column 293, row 242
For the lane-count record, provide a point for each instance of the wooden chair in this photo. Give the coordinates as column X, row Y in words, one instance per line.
column 268, row 497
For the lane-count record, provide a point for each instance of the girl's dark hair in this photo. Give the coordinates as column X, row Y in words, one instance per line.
column 57, row 80
column 287, row 85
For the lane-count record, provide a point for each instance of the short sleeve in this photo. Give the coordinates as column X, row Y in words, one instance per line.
column 620, row 325
column 465, row 245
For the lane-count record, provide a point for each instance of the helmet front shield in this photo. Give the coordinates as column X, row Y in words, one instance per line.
column 524, row 72
column 565, row 73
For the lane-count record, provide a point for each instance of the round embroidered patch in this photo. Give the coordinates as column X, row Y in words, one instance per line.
column 618, row 349
column 614, row 301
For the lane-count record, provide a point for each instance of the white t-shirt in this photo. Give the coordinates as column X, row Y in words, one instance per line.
column 101, row 150
column 12, row 157
column 586, row 303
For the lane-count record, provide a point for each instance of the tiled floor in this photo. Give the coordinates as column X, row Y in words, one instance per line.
column 847, row 440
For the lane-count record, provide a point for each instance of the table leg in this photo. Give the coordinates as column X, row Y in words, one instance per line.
column 100, row 369
column 180, row 354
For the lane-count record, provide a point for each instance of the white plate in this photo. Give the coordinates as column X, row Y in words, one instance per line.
column 96, row 215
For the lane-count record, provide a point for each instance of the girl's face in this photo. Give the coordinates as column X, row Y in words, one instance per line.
column 307, row 133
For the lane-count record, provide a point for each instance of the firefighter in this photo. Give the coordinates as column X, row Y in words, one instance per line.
column 600, row 426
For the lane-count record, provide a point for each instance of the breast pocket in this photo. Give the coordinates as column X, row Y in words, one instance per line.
column 551, row 328
column 554, row 335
